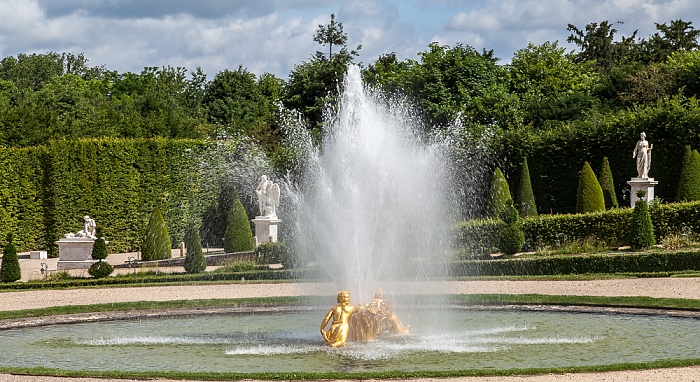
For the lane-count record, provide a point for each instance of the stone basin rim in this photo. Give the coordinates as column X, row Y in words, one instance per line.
column 126, row 315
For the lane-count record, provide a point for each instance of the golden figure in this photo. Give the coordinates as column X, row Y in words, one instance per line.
column 338, row 333
column 357, row 323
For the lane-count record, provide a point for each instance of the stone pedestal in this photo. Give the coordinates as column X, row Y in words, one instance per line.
column 38, row 255
column 265, row 229
column 75, row 253
column 644, row 184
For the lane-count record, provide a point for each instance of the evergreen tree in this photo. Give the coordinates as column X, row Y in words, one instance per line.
column 642, row 232
column 99, row 252
column 590, row 195
column 239, row 237
column 606, row 183
column 512, row 236
column 499, row 194
column 525, row 201
column 194, row 260
column 156, row 245
column 689, row 181
column 9, row 268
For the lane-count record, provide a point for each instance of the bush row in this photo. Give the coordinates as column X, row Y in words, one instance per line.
column 651, row 262
column 611, row 227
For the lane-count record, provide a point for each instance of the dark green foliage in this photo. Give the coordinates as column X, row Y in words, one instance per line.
column 499, row 194
column 99, row 247
column 239, row 237
column 590, row 195
column 194, row 260
column 100, row 269
column 156, row 245
column 272, row 253
column 689, row 181
column 642, row 230
column 605, row 179
column 9, row 268
column 511, row 236
column 525, row 202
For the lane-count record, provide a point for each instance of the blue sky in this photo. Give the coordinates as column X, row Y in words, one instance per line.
column 274, row 35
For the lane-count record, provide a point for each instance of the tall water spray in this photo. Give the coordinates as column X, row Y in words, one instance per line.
column 372, row 203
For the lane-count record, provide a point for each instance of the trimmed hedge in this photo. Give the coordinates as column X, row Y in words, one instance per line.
column 605, row 179
column 525, row 200
column 239, row 236
column 565, row 265
column 499, row 194
column 589, row 197
column 689, row 182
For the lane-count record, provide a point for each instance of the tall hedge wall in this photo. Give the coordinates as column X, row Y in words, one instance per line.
column 46, row 191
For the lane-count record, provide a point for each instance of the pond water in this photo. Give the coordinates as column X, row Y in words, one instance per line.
column 291, row 342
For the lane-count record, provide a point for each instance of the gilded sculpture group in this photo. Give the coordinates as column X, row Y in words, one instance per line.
column 359, row 323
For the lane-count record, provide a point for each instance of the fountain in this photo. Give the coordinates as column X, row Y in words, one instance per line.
column 371, row 209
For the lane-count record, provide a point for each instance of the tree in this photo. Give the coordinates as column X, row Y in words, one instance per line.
column 499, row 194
column 194, row 260
column 239, row 237
column 512, row 236
column 99, row 252
column 642, row 230
column 607, row 185
column 525, row 201
column 9, row 268
column 689, row 181
column 156, row 245
column 589, row 197
column 679, row 36
column 597, row 45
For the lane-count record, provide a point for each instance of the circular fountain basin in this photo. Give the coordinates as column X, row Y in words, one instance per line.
column 290, row 342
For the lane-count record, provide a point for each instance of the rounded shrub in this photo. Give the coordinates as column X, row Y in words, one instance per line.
column 194, row 260
column 605, row 179
column 156, row 245
column 272, row 253
column 100, row 269
column 239, row 237
column 590, row 195
column 525, row 202
column 512, row 238
column 9, row 268
column 642, row 232
column 99, row 247
column 499, row 194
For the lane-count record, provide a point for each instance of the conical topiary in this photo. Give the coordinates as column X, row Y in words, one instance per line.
column 590, row 196
column 607, row 185
column 642, row 232
column 689, row 181
column 525, row 202
column 239, row 237
column 194, row 260
column 499, row 194
column 156, row 245
column 512, row 237
column 9, row 268
column 99, row 252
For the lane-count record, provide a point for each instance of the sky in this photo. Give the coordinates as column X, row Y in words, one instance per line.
column 274, row 35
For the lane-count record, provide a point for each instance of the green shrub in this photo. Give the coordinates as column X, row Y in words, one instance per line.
column 525, row 201
column 271, row 253
column 589, row 197
column 194, row 260
column 511, row 236
column 99, row 247
column 478, row 237
column 689, row 181
column 499, row 194
column 605, row 179
column 642, row 231
column 239, row 237
column 100, row 269
column 156, row 245
column 9, row 269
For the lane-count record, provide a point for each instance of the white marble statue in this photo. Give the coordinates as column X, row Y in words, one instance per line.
column 268, row 197
column 88, row 230
column 642, row 151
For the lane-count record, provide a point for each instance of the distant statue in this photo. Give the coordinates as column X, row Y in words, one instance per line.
column 388, row 321
column 642, row 151
column 268, row 197
column 88, row 230
column 337, row 335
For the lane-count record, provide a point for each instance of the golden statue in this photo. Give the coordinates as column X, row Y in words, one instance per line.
column 358, row 323
column 338, row 333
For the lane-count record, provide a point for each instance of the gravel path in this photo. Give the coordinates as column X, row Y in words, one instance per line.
column 657, row 287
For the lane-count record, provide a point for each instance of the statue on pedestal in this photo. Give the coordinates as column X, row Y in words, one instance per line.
column 268, row 197
column 642, row 151
column 88, row 230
